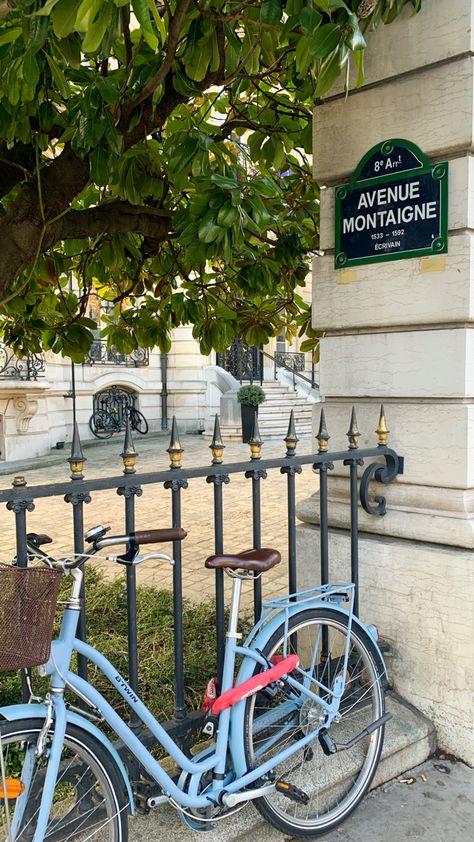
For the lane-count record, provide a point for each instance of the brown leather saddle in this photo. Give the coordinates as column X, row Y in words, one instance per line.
column 258, row 561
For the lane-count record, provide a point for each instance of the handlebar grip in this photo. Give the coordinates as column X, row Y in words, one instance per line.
column 158, row 536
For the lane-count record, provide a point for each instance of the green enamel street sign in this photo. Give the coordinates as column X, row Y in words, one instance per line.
column 395, row 206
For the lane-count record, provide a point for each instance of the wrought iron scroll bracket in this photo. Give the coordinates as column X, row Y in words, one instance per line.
column 218, row 479
column 324, row 467
column 291, row 470
column 176, row 484
column 77, row 497
column 258, row 474
column 381, row 473
column 129, row 491
column 354, row 461
column 17, row 506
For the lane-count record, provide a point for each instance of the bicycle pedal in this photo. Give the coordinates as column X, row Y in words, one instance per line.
column 209, row 726
column 292, row 792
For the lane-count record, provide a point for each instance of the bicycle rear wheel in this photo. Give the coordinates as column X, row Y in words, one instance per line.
column 103, row 425
column 90, row 799
column 138, row 421
column 334, row 784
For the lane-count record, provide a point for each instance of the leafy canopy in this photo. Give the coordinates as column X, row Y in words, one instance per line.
column 158, row 150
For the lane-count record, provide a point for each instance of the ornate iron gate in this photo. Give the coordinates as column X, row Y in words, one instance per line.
column 245, row 362
column 115, row 400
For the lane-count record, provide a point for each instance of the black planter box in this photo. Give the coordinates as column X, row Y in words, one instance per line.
column 248, row 419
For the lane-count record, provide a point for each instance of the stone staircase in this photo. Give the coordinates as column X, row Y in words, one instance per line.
column 274, row 414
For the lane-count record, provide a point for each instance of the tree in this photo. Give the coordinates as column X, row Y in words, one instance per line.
column 158, row 150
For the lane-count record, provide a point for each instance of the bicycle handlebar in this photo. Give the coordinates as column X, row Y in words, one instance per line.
column 133, row 539
column 145, row 536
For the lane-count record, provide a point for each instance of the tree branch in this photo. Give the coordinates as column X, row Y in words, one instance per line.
column 6, row 6
column 114, row 217
column 173, row 40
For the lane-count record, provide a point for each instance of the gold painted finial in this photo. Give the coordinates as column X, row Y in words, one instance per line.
column 291, row 439
column 217, row 445
column 382, row 429
column 129, row 454
column 323, row 435
column 77, row 459
column 353, row 433
column 175, row 450
column 255, row 442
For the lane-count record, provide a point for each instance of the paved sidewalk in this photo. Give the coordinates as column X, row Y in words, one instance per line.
column 437, row 807
column 153, row 509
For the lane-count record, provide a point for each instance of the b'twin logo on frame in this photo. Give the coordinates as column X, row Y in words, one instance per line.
column 123, row 684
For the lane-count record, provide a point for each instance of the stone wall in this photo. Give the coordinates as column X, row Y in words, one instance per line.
column 402, row 332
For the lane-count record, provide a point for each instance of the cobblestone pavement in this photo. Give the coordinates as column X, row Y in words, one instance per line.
column 153, row 509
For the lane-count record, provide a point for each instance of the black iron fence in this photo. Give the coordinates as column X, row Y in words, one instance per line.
column 20, row 368
column 379, row 462
column 101, row 354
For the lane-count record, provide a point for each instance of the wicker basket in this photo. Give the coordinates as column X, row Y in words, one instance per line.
column 28, row 598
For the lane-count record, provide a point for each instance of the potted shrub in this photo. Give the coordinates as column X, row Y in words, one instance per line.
column 249, row 398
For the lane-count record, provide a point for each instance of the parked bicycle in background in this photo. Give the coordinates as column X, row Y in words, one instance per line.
column 104, row 423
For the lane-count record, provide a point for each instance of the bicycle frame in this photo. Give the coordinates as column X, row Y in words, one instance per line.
column 214, row 758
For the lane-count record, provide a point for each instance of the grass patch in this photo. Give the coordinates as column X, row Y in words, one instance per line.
column 107, row 630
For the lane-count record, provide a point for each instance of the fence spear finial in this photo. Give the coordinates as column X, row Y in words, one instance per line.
column 323, row 435
column 77, row 458
column 255, row 441
column 291, row 439
column 175, row 450
column 129, row 454
column 217, row 445
column 382, row 429
column 353, row 433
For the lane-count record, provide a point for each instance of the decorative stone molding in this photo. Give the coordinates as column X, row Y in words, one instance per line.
column 25, row 407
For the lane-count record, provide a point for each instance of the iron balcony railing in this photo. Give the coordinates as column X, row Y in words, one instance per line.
column 101, row 354
column 293, row 362
column 379, row 462
column 20, row 368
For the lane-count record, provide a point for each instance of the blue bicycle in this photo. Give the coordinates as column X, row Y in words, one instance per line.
column 299, row 732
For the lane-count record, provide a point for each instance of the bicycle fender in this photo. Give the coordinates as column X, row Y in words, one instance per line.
column 37, row 711
column 237, row 716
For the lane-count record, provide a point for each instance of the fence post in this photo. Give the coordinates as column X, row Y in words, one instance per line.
column 175, row 451
column 20, row 506
column 291, row 440
column 255, row 444
column 129, row 492
column 218, row 480
column 77, row 499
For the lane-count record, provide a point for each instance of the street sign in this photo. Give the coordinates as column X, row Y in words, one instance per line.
column 395, row 206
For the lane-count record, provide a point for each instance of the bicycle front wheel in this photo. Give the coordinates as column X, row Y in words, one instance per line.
column 103, row 425
column 336, row 783
column 90, row 799
column 138, row 422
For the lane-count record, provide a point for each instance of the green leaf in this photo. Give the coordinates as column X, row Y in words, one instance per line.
column 46, row 9
column 10, row 35
column 58, row 77
column 271, row 11
column 86, row 14
column 329, row 73
column 159, row 21
column 303, row 56
column 64, row 17
column 324, row 40
column 141, row 10
column 310, row 19
column 95, row 33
